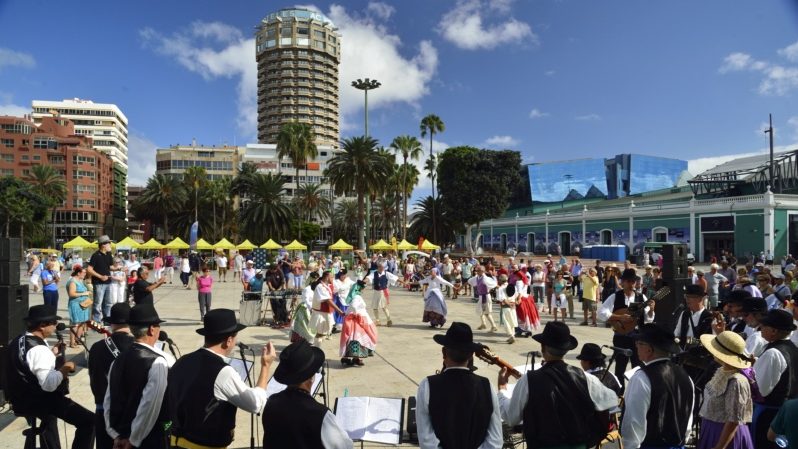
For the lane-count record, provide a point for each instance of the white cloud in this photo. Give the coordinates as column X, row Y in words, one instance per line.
column 380, row 10
column 776, row 80
column 502, row 141
column 7, row 106
column 792, row 123
column 700, row 165
column 140, row 159
column 790, row 52
column 465, row 26
column 537, row 113
column 588, row 117
column 11, row 58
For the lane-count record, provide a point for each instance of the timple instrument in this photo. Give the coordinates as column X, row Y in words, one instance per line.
column 484, row 353
column 635, row 310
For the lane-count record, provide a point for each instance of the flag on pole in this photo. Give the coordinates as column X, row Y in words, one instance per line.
column 192, row 236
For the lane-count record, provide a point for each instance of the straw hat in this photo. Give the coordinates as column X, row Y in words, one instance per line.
column 728, row 347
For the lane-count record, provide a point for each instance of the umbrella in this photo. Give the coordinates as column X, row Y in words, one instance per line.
column 246, row 244
column 177, row 243
column 203, row 245
column 404, row 245
column 77, row 242
column 271, row 244
column 127, row 242
column 427, row 245
column 295, row 245
column 381, row 244
column 151, row 244
column 224, row 244
column 341, row 245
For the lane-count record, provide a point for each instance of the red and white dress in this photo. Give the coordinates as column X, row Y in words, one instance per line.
column 527, row 312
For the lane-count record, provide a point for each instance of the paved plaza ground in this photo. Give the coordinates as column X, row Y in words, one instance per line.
column 405, row 354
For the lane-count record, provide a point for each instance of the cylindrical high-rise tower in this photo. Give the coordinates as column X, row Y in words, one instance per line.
column 298, row 51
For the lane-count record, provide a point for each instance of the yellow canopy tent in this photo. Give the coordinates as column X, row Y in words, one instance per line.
column 246, row 244
column 295, row 245
column 177, row 243
column 77, row 242
column 271, row 244
column 202, row 245
column 151, row 244
column 94, row 245
column 427, row 245
column 404, row 245
column 127, row 242
column 341, row 245
column 381, row 245
column 223, row 244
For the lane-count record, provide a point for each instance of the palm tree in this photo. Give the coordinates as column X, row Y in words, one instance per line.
column 312, row 199
column 218, row 193
column 242, row 183
column 359, row 168
column 408, row 178
column 195, row 178
column 384, row 212
column 296, row 142
column 421, row 224
column 265, row 214
column 48, row 183
column 410, row 148
column 432, row 124
column 163, row 195
column 344, row 219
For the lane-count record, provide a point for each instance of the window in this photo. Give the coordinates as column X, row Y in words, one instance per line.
column 8, row 157
column 318, row 34
column 8, row 143
column 323, row 153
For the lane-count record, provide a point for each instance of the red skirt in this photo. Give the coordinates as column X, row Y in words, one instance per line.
column 528, row 318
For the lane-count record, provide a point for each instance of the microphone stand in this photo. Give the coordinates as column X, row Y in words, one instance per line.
column 249, row 382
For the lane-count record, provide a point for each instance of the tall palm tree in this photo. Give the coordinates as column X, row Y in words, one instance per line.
column 359, row 168
column 265, row 215
column 432, row 124
column 421, row 224
column 410, row 148
column 241, row 184
column 218, row 193
column 195, row 178
column 408, row 174
column 296, row 142
column 312, row 199
column 344, row 219
column 165, row 194
column 48, row 183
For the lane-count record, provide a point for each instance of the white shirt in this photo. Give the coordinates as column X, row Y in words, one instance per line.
column 768, row 369
column 513, row 406
column 151, row 400
column 321, row 295
column 222, row 261
column 755, row 344
column 637, row 399
column 489, row 282
column 229, row 387
column 332, row 435
column 307, row 297
column 343, row 287
column 435, row 285
column 695, row 318
column 426, row 434
column 239, row 262
column 41, row 362
column 132, row 265
column 605, row 311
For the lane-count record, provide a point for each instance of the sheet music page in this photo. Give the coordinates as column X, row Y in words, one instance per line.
column 274, row 387
column 238, row 365
column 384, row 420
column 351, row 413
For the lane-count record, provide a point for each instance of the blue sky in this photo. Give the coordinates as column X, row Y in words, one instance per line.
column 553, row 79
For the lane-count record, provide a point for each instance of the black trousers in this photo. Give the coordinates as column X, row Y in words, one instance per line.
column 622, row 361
column 71, row 413
column 278, row 308
column 103, row 440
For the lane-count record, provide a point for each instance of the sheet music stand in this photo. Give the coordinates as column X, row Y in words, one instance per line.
column 398, row 416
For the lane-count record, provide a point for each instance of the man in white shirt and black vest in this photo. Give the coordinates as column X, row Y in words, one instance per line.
column 101, row 355
column 205, row 392
column 694, row 321
column 380, row 281
column 561, row 406
column 135, row 415
column 593, row 361
column 292, row 418
column 733, row 306
column 457, row 408
column 36, row 389
column 613, row 310
column 659, row 399
column 776, row 373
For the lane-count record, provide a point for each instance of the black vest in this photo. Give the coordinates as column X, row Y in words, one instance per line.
column 620, row 303
column 787, row 386
column 126, row 381
column 608, row 379
column 23, row 391
column 685, row 323
column 380, row 281
column 559, row 406
column 196, row 414
column 671, row 404
column 100, row 359
column 460, row 407
column 291, row 418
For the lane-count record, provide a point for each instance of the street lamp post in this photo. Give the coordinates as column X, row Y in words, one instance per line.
column 366, row 85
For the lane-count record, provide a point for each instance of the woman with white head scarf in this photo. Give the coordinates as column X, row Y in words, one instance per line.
column 435, row 310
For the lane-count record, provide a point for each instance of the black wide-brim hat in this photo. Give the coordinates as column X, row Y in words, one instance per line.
column 557, row 335
column 778, row 319
column 754, row 305
column 144, row 315
column 298, row 362
column 738, row 296
column 41, row 313
column 629, row 274
column 459, row 336
column 220, row 322
column 591, row 352
column 694, row 290
column 658, row 337
column 120, row 314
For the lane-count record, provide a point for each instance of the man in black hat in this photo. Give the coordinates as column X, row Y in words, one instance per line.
column 205, row 391
column 558, row 402
column 753, row 310
column 659, row 399
column 35, row 388
column 292, row 418
column 694, row 321
column 614, row 309
column 133, row 405
column 593, row 361
column 733, row 307
column 776, row 373
column 101, row 355
column 457, row 408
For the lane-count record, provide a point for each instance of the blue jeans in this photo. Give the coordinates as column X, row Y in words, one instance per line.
column 50, row 298
column 102, row 301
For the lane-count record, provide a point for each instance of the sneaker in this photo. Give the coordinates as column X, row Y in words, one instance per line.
column 481, row 327
column 493, row 329
column 511, row 340
column 583, row 323
column 389, row 323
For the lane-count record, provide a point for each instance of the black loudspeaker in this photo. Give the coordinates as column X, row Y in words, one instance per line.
column 667, row 308
column 10, row 249
column 412, row 429
column 674, row 261
column 3, row 362
column 13, row 308
column 9, row 272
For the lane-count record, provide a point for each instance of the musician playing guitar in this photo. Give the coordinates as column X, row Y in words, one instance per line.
column 35, row 386
column 616, row 311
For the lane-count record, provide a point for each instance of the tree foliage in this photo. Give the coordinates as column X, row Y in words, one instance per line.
column 422, row 223
column 264, row 214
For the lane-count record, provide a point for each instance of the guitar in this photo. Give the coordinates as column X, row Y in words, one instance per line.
column 635, row 310
column 484, row 353
column 96, row 326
